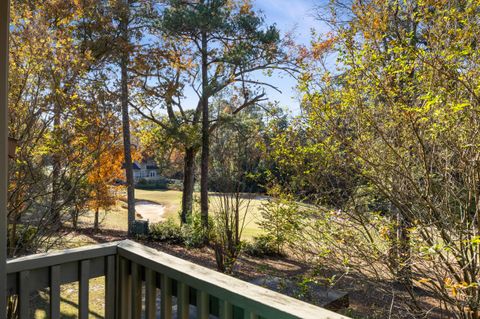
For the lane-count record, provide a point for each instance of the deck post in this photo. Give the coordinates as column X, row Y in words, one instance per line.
column 4, row 30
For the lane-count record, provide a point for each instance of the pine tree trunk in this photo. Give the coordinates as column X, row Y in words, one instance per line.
column 205, row 136
column 126, row 120
column 188, row 184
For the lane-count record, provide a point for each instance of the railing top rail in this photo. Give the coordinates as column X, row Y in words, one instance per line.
column 61, row 257
column 238, row 292
column 266, row 303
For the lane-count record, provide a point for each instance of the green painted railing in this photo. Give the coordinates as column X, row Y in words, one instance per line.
column 141, row 282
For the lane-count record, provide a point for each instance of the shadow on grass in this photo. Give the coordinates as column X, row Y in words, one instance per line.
column 41, row 301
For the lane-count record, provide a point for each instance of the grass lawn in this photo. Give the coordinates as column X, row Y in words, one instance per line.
column 172, row 201
column 116, row 217
column 69, row 301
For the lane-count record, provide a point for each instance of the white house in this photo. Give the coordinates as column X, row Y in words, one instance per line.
column 146, row 171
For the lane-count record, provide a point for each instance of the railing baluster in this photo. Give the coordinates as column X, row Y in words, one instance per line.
column 183, row 304
column 83, row 293
column 249, row 315
column 226, row 310
column 24, row 295
column 124, row 278
column 136, row 291
column 55, row 292
column 150, row 294
column 110, row 288
column 166, row 295
column 202, row 305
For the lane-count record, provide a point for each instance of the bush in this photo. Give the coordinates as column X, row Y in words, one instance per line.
column 167, row 231
column 150, row 185
column 24, row 239
column 262, row 246
column 175, row 184
column 193, row 233
column 281, row 219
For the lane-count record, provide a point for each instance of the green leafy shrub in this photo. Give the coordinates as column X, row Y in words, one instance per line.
column 167, row 231
column 281, row 219
column 193, row 233
column 262, row 246
column 24, row 238
column 175, row 184
column 150, row 185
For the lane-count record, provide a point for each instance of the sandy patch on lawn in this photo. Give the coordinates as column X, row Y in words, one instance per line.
column 152, row 212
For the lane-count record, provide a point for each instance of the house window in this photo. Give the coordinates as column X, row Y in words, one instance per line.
column 153, row 174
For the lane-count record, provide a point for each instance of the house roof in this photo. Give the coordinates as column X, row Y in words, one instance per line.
column 134, row 166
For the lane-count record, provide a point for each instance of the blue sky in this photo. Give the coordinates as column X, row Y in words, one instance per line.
column 287, row 15
column 290, row 14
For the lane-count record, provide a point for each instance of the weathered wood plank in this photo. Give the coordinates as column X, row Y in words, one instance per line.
column 4, row 44
column 150, row 294
column 226, row 310
column 202, row 305
column 124, row 291
column 61, row 257
column 40, row 277
column 211, row 284
column 183, row 304
column 249, row 315
column 136, row 291
column 83, row 295
column 24, row 295
column 166, row 297
column 267, row 303
column 55, row 292
column 110, row 278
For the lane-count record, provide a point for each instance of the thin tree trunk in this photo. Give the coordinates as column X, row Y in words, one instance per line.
column 393, row 258
column 56, row 170
column 13, row 237
column 188, row 184
column 205, row 135
column 404, row 273
column 126, row 120
column 75, row 214
column 95, row 223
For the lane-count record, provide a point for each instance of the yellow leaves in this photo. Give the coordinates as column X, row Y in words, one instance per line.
column 457, row 287
column 63, row 22
column 321, row 47
column 424, row 280
column 385, row 232
column 246, row 7
column 457, row 107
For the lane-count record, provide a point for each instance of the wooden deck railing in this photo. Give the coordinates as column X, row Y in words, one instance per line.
column 141, row 282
